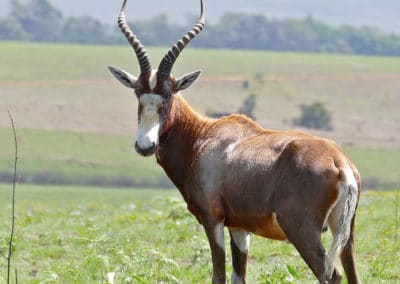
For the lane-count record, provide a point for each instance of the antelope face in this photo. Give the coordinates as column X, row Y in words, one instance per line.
column 154, row 92
column 154, row 89
column 150, row 121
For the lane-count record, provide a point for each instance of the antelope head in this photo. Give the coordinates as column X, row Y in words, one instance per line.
column 154, row 88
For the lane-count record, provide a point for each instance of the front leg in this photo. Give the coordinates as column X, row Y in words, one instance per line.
column 240, row 241
column 215, row 235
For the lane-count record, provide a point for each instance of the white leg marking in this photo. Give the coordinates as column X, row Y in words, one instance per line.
column 241, row 239
column 153, row 79
column 340, row 219
column 219, row 235
column 149, row 124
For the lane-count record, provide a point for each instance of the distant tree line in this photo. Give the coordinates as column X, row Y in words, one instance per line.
column 38, row 20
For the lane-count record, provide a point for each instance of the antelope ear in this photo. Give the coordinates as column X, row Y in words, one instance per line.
column 124, row 77
column 186, row 81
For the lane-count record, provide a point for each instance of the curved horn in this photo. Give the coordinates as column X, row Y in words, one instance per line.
column 169, row 59
column 141, row 53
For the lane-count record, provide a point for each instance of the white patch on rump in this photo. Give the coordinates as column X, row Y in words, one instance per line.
column 340, row 218
column 153, row 79
column 149, row 124
column 350, row 178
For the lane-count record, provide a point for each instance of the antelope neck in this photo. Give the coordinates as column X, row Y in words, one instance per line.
column 179, row 143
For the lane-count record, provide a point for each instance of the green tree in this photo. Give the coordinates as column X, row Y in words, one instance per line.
column 85, row 30
column 38, row 18
column 10, row 29
column 157, row 31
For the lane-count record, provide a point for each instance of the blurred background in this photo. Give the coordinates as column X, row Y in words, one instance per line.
column 84, row 211
column 330, row 68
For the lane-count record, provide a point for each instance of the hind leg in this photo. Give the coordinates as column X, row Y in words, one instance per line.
column 306, row 237
column 308, row 243
column 313, row 253
column 348, row 259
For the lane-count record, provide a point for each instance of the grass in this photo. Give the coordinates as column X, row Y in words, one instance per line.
column 68, row 62
column 78, row 158
column 80, row 235
column 376, row 166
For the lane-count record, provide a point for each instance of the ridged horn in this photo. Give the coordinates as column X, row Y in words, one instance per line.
column 168, row 61
column 133, row 40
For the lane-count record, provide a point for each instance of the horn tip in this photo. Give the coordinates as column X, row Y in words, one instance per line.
column 123, row 6
column 202, row 13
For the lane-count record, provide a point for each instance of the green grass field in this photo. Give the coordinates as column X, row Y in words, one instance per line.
column 78, row 158
column 69, row 62
column 68, row 157
column 80, row 235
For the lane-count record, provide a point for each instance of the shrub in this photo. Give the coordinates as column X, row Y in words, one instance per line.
column 314, row 116
column 216, row 114
column 246, row 84
column 248, row 106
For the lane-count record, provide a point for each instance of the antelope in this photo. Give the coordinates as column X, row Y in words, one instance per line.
column 231, row 172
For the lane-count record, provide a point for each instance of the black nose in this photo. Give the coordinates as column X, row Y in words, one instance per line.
column 146, row 151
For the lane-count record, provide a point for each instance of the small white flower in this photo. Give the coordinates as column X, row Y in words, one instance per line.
column 110, row 277
column 131, row 207
column 289, row 279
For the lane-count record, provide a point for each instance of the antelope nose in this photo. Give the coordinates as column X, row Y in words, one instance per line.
column 148, row 151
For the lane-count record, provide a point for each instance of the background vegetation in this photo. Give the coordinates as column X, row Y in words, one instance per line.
column 315, row 116
column 38, row 20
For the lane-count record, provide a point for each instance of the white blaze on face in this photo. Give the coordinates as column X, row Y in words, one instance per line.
column 149, row 125
column 153, row 79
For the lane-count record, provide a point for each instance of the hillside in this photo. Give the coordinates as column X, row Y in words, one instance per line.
column 68, row 88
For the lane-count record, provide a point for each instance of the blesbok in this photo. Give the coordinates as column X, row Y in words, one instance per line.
column 283, row 185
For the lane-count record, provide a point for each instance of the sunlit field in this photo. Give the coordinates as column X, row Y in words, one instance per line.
column 84, row 235
column 100, row 159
